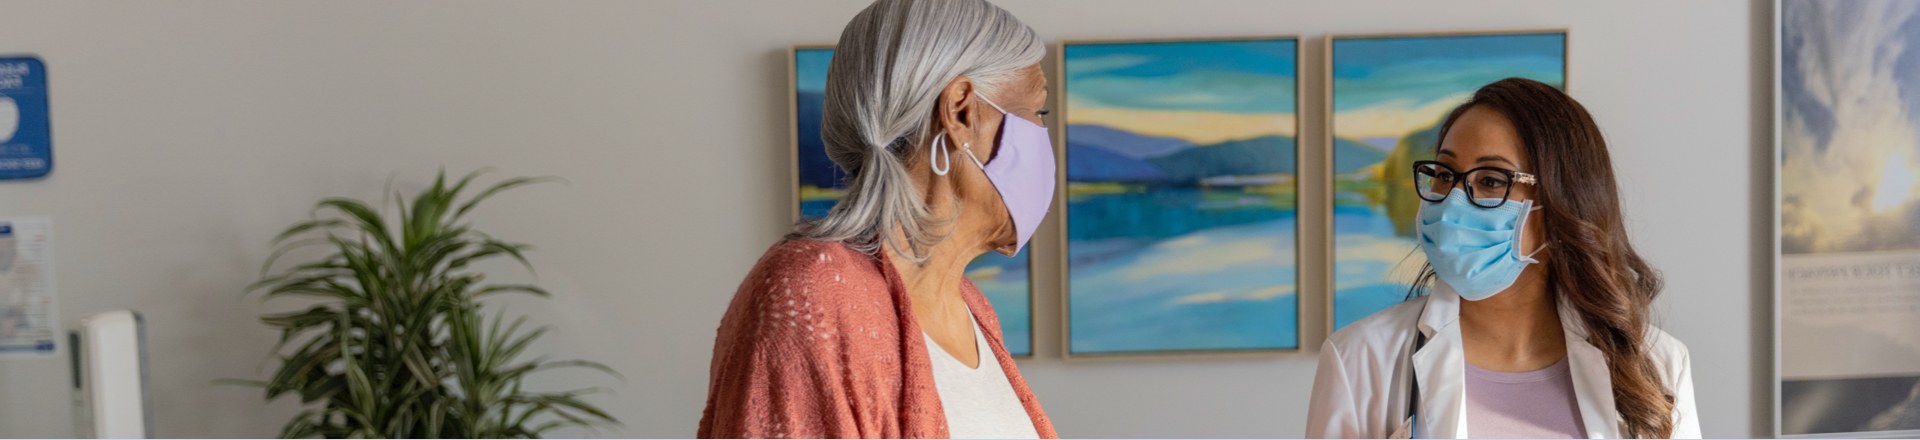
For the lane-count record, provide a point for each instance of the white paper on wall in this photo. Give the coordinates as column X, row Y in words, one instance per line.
column 29, row 322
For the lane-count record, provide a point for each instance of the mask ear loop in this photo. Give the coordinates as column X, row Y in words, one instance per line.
column 968, row 147
column 1536, row 251
column 934, row 156
column 990, row 102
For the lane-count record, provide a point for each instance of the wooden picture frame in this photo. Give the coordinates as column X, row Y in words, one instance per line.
column 1063, row 203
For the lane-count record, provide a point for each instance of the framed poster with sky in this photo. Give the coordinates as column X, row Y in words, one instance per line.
column 1848, row 231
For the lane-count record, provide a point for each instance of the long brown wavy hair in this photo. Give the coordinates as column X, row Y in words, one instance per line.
column 1592, row 266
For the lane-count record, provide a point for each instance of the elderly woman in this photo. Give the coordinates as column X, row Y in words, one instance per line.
column 862, row 324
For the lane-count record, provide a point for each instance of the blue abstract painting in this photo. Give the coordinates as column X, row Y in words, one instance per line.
column 1005, row 280
column 1181, row 200
column 1389, row 96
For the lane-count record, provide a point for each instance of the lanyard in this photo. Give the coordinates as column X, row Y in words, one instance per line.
column 1413, row 391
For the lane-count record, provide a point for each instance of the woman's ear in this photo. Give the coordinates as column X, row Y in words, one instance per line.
column 953, row 115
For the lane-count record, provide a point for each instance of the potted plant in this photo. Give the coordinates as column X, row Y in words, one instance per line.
column 394, row 342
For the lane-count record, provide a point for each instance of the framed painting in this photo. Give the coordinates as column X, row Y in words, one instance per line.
column 1180, row 195
column 1387, row 95
column 1847, row 231
column 818, row 184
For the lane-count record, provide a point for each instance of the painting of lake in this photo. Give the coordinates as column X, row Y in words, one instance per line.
column 1389, row 95
column 1180, row 195
column 1005, row 280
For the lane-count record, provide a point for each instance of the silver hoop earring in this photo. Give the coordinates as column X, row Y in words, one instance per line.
column 933, row 156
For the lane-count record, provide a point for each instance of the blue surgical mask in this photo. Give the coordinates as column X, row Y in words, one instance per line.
column 1475, row 250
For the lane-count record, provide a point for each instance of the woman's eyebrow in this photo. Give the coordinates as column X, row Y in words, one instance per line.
column 1496, row 158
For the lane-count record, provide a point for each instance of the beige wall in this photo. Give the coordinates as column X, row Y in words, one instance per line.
column 189, row 132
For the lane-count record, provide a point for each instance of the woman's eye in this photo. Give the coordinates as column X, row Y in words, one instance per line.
column 1043, row 112
column 1491, row 182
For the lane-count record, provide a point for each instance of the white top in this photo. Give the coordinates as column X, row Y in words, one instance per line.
column 979, row 402
column 1361, row 387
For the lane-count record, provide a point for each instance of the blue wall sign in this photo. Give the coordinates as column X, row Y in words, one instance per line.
column 26, row 136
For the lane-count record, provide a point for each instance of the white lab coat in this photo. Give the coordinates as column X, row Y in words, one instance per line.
column 1360, row 389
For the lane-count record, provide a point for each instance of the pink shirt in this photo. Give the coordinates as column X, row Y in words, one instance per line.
column 1532, row 404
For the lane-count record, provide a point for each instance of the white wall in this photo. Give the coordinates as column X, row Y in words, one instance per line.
column 189, row 132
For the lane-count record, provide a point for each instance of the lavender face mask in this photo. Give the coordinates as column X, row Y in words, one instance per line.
column 1023, row 172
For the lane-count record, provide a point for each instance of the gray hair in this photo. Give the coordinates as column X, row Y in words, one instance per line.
column 891, row 64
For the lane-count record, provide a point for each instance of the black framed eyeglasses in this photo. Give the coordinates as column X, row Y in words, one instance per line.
column 1434, row 180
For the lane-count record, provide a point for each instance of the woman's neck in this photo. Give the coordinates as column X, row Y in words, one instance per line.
column 933, row 287
column 933, row 284
column 1515, row 330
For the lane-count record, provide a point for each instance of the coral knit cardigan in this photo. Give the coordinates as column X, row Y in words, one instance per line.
column 820, row 342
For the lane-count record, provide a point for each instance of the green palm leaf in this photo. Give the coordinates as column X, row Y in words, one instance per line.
column 396, row 345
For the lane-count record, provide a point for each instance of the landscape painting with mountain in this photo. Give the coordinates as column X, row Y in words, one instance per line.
column 1389, row 95
column 1181, row 195
column 820, row 184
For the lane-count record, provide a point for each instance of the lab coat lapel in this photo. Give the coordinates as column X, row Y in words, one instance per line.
column 1592, row 384
column 1441, row 368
